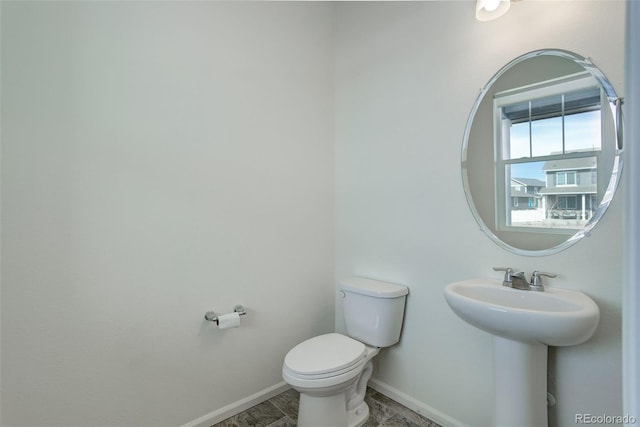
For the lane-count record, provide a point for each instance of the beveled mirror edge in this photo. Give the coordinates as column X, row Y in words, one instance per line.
column 615, row 103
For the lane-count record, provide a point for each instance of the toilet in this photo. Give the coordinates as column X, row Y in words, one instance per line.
column 331, row 371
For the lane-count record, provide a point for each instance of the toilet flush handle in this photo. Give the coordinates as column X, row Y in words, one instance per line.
column 342, row 294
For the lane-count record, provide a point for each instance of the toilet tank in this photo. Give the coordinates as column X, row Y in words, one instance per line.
column 373, row 310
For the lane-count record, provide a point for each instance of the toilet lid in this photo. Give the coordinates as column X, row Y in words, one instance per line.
column 324, row 354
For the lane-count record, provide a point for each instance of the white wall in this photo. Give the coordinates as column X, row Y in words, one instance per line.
column 407, row 75
column 163, row 159
column 160, row 159
column 630, row 291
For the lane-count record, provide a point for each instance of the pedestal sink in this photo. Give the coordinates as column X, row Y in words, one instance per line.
column 523, row 323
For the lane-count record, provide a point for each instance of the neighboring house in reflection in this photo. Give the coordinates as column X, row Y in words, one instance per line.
column 525, row 193
column 571, row 190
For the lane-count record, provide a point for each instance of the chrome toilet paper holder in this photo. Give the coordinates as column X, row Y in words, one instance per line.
column 213, row 317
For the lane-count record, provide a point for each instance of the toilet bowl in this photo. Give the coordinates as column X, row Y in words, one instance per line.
column 331, row 371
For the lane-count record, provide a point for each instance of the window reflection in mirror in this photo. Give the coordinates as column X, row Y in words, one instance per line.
column 549, row 136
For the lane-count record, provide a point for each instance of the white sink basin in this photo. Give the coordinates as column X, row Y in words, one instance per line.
column 556, row 317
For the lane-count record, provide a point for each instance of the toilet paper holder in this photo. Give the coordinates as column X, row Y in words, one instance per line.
column 213, row 317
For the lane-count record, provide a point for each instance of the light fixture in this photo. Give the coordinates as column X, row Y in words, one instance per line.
column 486, row 10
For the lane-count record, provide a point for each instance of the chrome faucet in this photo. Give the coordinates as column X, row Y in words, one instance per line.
column 518, row 280
column 513, row 279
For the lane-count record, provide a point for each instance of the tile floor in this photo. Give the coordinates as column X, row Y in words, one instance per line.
column 282, row 411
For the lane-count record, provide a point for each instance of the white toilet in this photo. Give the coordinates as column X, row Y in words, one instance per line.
column 331, row 371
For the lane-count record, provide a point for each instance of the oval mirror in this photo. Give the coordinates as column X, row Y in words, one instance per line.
column 541, row 156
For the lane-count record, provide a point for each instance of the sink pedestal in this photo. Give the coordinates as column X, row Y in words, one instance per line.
column 520, row 374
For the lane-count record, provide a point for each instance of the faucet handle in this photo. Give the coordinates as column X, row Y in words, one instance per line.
column 536, row 279
column 508, row 272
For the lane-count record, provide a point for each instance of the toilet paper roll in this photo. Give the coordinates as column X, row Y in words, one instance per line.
column 231, row 320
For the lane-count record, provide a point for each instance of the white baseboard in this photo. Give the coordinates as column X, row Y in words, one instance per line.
column 415, row 405
column 239, row 406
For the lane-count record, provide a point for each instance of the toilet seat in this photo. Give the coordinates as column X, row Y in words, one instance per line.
column 325, row 356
